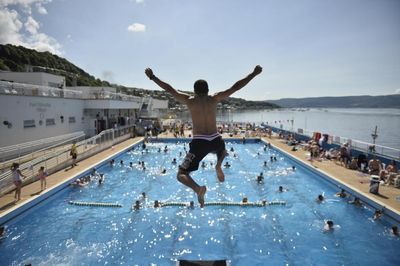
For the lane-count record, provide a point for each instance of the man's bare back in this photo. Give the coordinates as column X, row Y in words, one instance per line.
column 203, row 110
column 206, row 139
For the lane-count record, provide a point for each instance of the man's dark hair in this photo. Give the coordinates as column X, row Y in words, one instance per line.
column 201, row 87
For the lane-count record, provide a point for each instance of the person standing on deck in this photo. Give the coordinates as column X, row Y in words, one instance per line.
column 17, row 178
column 74, row 154
column 206, row 138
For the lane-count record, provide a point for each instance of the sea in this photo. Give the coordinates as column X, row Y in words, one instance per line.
column 351, row 123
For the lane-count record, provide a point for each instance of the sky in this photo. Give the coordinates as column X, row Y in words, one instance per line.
column 307, row 48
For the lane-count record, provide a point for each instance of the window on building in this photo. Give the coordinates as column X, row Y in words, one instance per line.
column 71, row 119
column 50, row 122
column 29, row 123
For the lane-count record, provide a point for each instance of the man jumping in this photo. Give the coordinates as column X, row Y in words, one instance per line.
column 206, row 139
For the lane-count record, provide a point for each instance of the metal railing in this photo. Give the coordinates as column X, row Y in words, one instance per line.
column 16, row 152
column 359, row 145
column 60, row 158
column 15, row 88
column 388, row 152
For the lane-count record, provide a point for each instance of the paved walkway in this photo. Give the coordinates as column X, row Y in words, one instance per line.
column 353, row 179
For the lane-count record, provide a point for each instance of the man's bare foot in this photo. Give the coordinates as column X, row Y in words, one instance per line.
column 200, row 195
column 220, row 174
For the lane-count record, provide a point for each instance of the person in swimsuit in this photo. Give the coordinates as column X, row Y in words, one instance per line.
column 206, row 139
column 17, row 178
column 42, row 174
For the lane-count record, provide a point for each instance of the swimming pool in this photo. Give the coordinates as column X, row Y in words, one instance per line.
column 55, row 232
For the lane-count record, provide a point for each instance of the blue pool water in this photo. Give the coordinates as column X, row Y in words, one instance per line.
column 57, row 233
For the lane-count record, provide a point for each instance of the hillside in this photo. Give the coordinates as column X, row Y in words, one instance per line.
column 365, row 101
column 15, row 58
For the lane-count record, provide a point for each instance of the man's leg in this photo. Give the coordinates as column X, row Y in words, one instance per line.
column 220, row 158
column 184, row 177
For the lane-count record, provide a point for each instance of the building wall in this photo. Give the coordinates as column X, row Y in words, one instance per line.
column 16, row 109
column 35, row 78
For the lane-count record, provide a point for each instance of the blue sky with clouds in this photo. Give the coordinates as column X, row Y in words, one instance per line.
column 306, row 47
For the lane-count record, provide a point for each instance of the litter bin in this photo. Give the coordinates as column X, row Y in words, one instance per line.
column 374, row 184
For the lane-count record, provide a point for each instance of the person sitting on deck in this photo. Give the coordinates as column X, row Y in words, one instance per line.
column 374, row 166
column 353, row 164
column 389, row 173
column 206, row 139
column 362, row 162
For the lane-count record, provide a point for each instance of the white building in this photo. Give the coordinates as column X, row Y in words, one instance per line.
column 35, row 78
column 31, row 110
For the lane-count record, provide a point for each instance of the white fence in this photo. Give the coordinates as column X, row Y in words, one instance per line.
column 59, row 158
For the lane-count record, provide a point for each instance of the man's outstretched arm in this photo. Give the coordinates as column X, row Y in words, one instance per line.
column 181, row 97
column 219, row 96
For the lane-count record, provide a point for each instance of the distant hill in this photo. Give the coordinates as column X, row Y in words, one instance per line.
column 16, row 58
column 365, row 101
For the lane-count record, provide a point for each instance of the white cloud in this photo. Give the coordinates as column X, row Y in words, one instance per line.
column 31, row 25
column 42, row 42
column 41, row 9
column 137, row 27
column 139, row 1
column 397, row 91
column 11, row 27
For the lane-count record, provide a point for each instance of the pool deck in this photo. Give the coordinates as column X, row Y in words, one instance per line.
column 353, row 179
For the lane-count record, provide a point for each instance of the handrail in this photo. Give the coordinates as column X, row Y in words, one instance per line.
column 56, row 160
column 38, row 142
column 25, row 158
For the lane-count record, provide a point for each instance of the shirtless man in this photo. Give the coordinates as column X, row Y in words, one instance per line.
column 206, row 139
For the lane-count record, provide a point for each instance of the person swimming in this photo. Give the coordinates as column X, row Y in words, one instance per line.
column 320, row 198
column 328, row 226
column 341, row 194
column 260, row 177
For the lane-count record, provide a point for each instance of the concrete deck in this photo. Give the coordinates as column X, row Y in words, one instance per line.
column 353, row 179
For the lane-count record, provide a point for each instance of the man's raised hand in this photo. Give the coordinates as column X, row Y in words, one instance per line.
column 149, row 73
column 257, row 70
